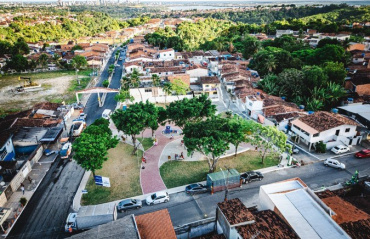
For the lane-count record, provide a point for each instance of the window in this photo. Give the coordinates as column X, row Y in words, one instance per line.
column 316, row 135
column 148, row 90
column 3, row 154
column 347, row 130
column 170, row 54
column 215, row 93
column 250, row 103
column 164, row 54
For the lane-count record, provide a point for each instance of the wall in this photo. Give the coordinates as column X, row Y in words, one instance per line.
column 160, row 99
column 196, row 229
column 265, row 202
column 167, row 55
column 3, row 199
column 199, row 72
column 8, row 146
column 329, row 134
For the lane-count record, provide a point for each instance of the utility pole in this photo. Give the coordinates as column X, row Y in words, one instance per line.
column 227, row 183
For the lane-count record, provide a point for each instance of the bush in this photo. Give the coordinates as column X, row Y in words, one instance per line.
column 106, row 83
column 23, row 201
column 320, row 147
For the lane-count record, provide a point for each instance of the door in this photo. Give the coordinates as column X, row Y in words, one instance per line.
column 337, row 132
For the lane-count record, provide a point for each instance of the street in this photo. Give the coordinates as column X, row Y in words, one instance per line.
column 46, row 212
column 185, row 209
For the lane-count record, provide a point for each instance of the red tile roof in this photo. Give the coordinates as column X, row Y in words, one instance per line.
column 155, row 225
column 322, row 121
column 235, row 211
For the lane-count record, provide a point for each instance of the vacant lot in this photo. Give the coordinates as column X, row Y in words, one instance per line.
column 178, row 173
column 123, row 170
column 55, row 87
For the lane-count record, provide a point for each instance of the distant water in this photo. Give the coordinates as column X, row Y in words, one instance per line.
column 209, row 5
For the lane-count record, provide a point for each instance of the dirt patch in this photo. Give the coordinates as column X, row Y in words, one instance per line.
column 49, row 88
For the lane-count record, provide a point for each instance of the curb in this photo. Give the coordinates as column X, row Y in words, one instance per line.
column 76, row 203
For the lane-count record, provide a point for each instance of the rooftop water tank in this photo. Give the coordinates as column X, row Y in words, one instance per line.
column 335, row 111
column 301, row 107
column 311, row 112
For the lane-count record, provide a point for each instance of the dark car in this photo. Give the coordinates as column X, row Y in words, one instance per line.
column 129, row 204
column 363, row 154
column 195, row 188
column 251, row 176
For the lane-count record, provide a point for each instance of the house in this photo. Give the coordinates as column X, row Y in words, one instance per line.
column 279, row 33
column 356, row 46
column 359, row 83
column 330, row 128
column 167, row 54
column 7, row 151
column 210, row 85
column 155, row 225
column 299, row 207
column 196, row 71
column 358, row 111
column 236, row 221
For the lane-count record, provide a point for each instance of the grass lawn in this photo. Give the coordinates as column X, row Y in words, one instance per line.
column 178, row 173
column 146, row 142
column 123, row 170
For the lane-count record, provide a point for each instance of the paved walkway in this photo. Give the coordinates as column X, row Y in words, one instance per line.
column 150, row 178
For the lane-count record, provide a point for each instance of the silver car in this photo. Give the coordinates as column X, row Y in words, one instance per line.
column 334, row 163
column 129, row 204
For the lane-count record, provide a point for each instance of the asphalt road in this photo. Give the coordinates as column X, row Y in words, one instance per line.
column 47, row 211
column 185, row 209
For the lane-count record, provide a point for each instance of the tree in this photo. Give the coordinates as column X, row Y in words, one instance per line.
column 190, row 110
column 124, row 96
column 209, row 137
column 79, row 62
column 77, row 47
column 17, row 62
column 156, row 82
column 292, row 81
column 335, row 72
column 328, row 41
column 329, row 53
column 314, row 76
column 20, row 47
column 251, row 46
column 240, row 131
column 43, row 60
column 135, row 81
column 179, row 87
column 269, row 138
column 91, row 148
column 167, row 88
column 132, row 121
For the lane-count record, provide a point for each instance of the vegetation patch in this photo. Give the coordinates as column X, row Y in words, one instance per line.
column 179, row 173
column 146, row 142
column 123, row 170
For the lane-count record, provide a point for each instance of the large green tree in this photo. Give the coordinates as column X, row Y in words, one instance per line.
column 91, row 148
column 190, row 110
column 209, row 137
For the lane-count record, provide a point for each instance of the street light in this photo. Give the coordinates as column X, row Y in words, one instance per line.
column 226, row 182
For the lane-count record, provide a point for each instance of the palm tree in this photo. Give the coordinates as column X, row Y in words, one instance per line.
column 135, row 81
column 156, row 82
column 167, row 88
column 270, row 63
column 334, row 92
column 43, row 60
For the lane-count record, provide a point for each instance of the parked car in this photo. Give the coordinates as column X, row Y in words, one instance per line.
column 334, row 163
column 363, row 154
column 127, row 204
column 157, row 198
column 340, row 149
column 82, row 116
column 195, row 188
column 250, row 176
column 77, row 106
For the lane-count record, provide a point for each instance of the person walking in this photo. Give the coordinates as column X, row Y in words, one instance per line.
column 182, row 155
column 29, row 179
column 22, row 188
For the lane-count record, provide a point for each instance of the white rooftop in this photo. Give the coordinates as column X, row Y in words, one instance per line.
column 301, row 210
column 356, row 108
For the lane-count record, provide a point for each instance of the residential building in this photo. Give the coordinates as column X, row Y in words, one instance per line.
column 298, row 206
column 166, row 55
column 358, row 111
column 332, row 129
column 210, row 85
column 359, row 82
column 279, row 33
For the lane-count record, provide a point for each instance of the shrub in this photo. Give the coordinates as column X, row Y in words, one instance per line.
column 320, row 147
column 23, row 201
column 106, row 83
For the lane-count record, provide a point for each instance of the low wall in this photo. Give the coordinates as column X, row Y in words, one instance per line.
column 196, row 229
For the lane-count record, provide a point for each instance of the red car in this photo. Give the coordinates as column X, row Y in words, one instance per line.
column 363, row 154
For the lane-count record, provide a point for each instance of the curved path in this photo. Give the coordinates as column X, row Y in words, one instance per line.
column 150, row 178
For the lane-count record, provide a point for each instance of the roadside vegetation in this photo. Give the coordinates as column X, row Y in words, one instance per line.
column 179, row 173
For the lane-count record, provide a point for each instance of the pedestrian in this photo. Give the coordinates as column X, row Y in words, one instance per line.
column 182, row 142
column 176, row 156
column 29, row 179
column 171, row 137
column 143, row 159
column 22, row 188
column 182, row 155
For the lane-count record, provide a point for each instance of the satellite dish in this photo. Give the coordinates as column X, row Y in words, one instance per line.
column 2, row 183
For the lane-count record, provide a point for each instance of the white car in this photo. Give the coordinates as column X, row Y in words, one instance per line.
column 82, row 116
column 340, row 149
column 334, row 163
column 157, row 198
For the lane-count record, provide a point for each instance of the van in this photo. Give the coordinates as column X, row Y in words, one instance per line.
column 106, row 114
